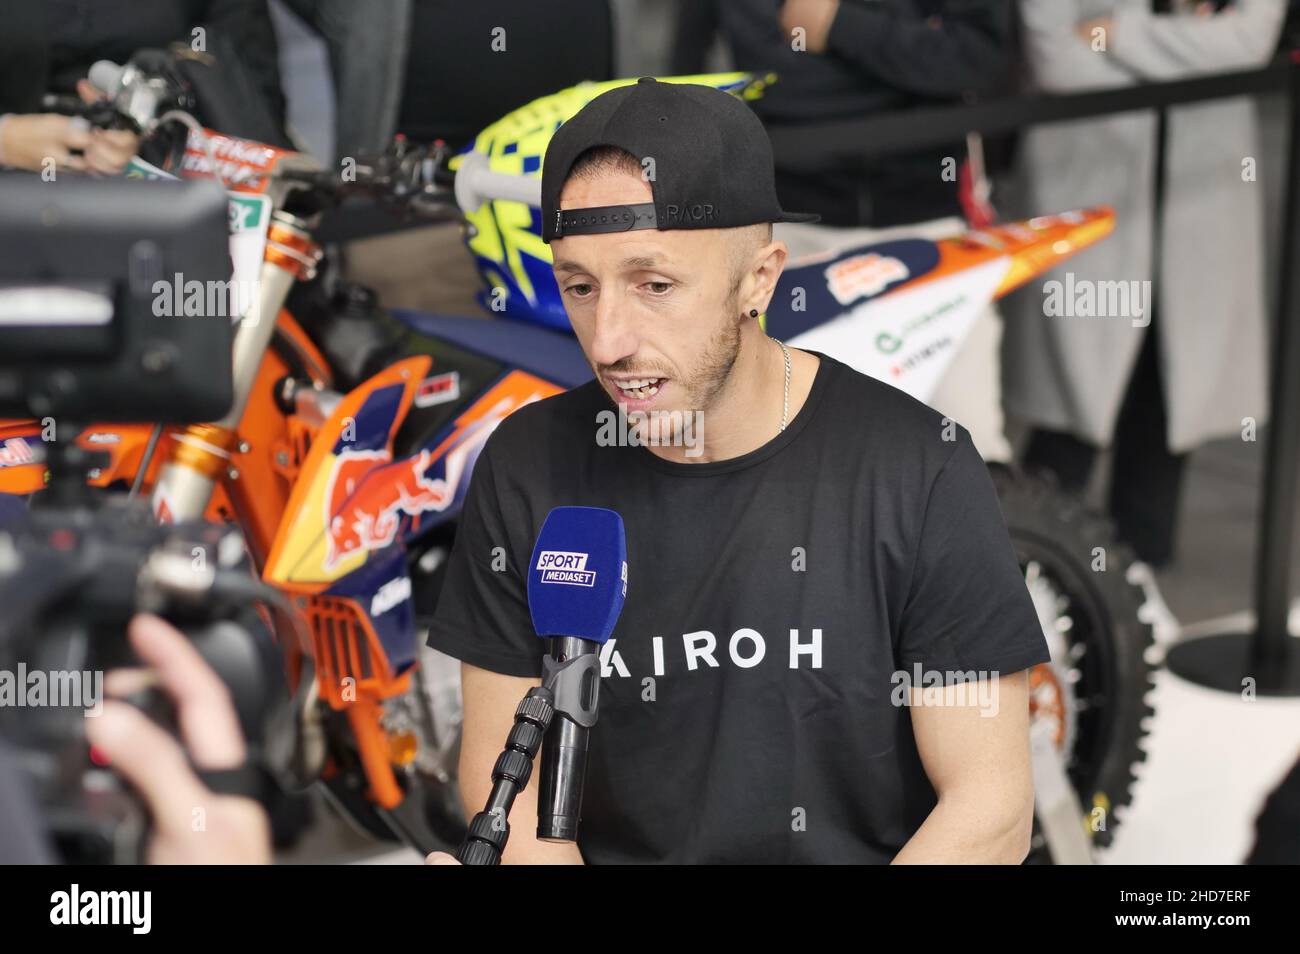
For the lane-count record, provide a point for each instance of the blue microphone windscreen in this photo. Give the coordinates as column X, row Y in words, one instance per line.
column 577, row 579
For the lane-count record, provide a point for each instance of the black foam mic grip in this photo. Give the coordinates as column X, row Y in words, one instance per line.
column 564, row 770
column 564, row 750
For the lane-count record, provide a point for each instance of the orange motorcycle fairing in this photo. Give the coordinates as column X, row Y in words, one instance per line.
column 299, row 560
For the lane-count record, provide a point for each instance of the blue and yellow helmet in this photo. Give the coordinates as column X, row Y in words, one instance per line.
column 505, row 237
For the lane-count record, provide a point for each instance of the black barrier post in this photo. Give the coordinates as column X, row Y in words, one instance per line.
column 1268, row 655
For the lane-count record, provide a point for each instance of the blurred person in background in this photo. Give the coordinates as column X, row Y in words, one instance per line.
column 443, row 69
column 47, row 49
column 852, row 59
column 1185, row 363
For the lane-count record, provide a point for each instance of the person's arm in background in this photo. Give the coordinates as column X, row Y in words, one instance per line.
column 30, row 141
column 368, row 49
column 1059, row 58
column 693, row 35
column 246, row 26
column 1162, row 46
column 966, row 49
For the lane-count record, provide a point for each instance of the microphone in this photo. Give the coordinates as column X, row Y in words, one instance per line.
column 577, row 582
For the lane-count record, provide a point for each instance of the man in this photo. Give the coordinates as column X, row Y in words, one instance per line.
column 797, row 557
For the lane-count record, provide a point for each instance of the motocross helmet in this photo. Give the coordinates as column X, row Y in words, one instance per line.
column 505, row 237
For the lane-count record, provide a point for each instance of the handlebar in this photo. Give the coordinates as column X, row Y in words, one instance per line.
column 403, row 175
column 149, row 91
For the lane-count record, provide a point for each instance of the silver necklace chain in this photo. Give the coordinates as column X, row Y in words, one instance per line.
column 785, row 404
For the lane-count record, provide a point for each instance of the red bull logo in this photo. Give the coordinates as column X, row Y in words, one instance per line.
column 368, row 494
column 366, row 499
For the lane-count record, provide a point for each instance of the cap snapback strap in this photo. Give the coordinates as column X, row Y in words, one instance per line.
column 605, row 218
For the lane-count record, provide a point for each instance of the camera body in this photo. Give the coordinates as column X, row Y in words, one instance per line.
column 71, row 578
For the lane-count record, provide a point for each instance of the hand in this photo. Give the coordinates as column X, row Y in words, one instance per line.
column 814, row 16
column 440, row 858
column 110, row 150
column 191, row 825
column 27, row 141
column 89, row 92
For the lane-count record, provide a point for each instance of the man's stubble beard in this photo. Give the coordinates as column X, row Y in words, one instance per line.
column 709, row 377
column 711, row 374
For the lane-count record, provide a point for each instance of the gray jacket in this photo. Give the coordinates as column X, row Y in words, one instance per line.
column 1065, row 363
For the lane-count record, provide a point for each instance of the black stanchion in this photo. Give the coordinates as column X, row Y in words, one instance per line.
column 1268, row 655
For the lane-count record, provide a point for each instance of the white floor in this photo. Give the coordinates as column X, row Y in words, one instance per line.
column 1212, row 759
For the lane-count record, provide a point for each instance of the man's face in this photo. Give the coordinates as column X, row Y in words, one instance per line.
column 653, row 310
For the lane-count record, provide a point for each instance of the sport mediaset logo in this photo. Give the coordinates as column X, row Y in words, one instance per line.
column 560, row 566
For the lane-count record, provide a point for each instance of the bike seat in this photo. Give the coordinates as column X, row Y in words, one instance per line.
column 548, row 354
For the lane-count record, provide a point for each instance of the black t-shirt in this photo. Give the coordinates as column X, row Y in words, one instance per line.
column 746, row 709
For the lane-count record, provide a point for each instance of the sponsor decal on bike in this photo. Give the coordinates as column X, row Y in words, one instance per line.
column 925, row 353
column 438, row 389
column 243, row 164
column 356, row 499
column 250, row 217
column 393, row 593
column 365, row 503
column 164, row 510
column 559, row 566
column 888, row 342
column 862, row 276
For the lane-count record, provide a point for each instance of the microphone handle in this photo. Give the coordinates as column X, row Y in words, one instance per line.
column 572, row 673
column 490, row 829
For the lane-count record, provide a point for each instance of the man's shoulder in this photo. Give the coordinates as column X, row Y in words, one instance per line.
column 876, row 415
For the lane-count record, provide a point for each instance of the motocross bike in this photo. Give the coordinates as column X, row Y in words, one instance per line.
column 348, row 452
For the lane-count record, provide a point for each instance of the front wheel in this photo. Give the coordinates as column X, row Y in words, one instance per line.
column 1094, row 690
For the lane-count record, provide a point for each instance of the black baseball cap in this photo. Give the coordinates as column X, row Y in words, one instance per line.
column 712, row 161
